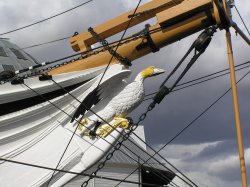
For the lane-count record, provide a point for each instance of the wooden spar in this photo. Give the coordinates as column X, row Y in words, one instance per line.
column 84, row 40
column 241, row 33
column 175, row 27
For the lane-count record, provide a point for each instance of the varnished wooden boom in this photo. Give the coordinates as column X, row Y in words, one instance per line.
column 176, row 18
column 84, row 40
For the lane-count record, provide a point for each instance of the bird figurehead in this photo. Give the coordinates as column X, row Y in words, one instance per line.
column 151, row 71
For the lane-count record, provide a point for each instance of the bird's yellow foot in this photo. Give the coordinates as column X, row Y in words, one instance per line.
column 106, row 129
column 123, row 122
column 83, row 122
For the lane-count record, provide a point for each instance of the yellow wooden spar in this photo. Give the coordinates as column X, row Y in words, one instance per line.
column 176, row 19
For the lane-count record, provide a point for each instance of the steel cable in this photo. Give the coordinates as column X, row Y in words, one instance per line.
column 46, row 19
column 75, row 173
column 76, row 129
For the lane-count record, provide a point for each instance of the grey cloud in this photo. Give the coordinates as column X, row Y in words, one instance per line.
column 220, row 150
column 206, row 163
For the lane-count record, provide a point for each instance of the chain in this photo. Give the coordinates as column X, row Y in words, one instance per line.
column 94, row 52
column 118, row 145
column 105, row 44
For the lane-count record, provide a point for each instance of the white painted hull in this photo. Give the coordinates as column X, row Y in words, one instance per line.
column 10, row 93
column 39, row 135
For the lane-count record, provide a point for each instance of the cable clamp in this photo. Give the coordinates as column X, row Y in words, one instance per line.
column 161, row 94
column 150, row 43
column 45, row 77
column 16, row 81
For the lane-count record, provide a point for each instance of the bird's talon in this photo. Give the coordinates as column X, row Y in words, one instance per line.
column 92, row 133
column 82, row 123
column 79, row 128
column 124, row 125
column 130, row 120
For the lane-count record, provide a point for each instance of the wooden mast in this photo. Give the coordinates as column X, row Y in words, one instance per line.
column 235, row 94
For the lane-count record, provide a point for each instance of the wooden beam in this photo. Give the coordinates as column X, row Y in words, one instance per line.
column 83, row 41
column 183, row 11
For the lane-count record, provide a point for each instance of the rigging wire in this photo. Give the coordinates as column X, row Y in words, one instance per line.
column 190, row 124
column 122, row 134
column 86, row 127
column 156, row 172
column 152, row 167
column 118, row 44
column 100, row 81
column 59, row 109
column 167, row 179
column 111, row 58
column 203, row 112
column 203, row 77
column 87, row 52
column 155, row 152
column 46, row 19
column 199, row 45
column 75, row 173
column 200, row 115
column 57, row 40
column 243, row 63
column 209, row 79
column 108, row 123
column 65, row 38
column 132, row 141
column 241, row 19
column 45, row 43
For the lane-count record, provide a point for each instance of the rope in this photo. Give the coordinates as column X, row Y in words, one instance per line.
column 241, row 19
column 45, row 43
column 75, row 173
column 46, row 19
column 114, row 129
column 206, row 76
column 187, row 126
column 200, row 115
column 76, row 129
column 99, row 82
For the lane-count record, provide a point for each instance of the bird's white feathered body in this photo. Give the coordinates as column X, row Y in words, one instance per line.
column 121, row 102
column 113, row 99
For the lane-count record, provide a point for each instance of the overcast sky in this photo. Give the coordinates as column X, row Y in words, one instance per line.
column 207, row 151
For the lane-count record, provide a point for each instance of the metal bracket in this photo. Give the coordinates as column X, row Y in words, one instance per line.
column 45, row 77
column 17, row 81
column 150, row 43
column 105, row 44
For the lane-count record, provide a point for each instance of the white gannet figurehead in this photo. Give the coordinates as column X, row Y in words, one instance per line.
column 112, row 102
